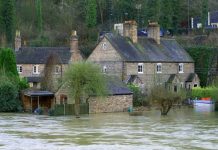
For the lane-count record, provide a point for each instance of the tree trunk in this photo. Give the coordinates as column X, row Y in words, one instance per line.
column 77, row 107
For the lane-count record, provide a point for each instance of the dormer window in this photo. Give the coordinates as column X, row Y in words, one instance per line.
column 36, row 69
column 181, row 68
column 140, row 68
column 104, row 46
column 159, row 68
column 104, row 69
column 19, row 69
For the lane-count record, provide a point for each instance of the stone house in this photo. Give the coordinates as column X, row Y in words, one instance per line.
column 31, row 60
column 118, row 99
column 147, row 61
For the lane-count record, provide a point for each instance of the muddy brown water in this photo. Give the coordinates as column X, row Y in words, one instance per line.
column 181, row 129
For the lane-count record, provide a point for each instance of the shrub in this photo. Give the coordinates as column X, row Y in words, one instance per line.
column 8, row 97
column 139, row 99
column 205, row 92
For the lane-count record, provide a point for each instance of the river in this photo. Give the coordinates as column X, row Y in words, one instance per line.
column 181, row 129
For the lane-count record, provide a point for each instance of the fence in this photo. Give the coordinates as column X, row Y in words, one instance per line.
column 68, row 109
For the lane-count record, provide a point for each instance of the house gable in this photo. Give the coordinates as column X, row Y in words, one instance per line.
column 104, row 51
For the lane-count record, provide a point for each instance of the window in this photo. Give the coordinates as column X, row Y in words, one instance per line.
column 159, row 68
column 36, row 69
column 199, row 25
column 57, row 69
column 181, row 68
column 19, row 69
column 104, row 70
column 140, row 68
column 104, row 46
column 175, row 88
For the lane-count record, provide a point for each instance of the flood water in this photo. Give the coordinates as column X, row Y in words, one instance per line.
column 181, row 129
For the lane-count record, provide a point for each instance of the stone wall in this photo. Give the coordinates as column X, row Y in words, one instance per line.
column 28, row 69
column 106, row 56
column 116, row 103
column 149, row 76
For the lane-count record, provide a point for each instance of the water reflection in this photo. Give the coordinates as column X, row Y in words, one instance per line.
column 182, row 129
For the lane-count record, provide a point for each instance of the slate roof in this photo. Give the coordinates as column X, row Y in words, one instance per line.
column 38, row 93
column 147, row 50
column 171, row 78
column 190, row 77
column 34, row 79
column 116, row 87
column 39, row 55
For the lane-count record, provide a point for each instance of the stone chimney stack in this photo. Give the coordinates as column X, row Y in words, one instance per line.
column 130, row 30
column 75, row 52
column 154, row 31
column 17, row 44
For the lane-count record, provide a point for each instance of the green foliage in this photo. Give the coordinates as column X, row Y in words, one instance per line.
column 8, row 96
column 91, row 13
column 7, row 62
column 203, row 57
column 139, row 99
column 22, row 84
column 39, row 16
column 84, row 79
column 204, row 12
column 7, row 19
column 205, row 92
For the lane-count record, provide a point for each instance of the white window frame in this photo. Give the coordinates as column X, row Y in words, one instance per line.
column 140, row 68
column 181, row 68
column 35, row 69
column 159, row 68
column 19, row 69
column 104, row 69
column 104, row 45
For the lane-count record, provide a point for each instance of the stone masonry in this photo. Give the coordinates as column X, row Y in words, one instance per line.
column 115, row 103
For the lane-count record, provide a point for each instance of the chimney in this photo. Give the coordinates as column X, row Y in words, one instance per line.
column 74, row 50
column 154, row 31
column 17, row 44
column 130, row 30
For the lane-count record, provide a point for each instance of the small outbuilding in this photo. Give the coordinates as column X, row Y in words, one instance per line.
column 37, row 99
column 118, row 99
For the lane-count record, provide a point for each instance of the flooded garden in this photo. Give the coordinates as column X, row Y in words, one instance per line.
column 181, row 129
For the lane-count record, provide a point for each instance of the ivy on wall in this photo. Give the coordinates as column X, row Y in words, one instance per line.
column 203, row 57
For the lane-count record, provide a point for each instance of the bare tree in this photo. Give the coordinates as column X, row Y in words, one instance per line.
column 165, row 99
column 52, row 73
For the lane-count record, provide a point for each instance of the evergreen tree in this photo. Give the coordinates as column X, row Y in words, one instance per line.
column 91, row 13
column 39, row 16
column 176, row 14
column 204, row 12
column 166, row 14
column 7, row 19
column 1, row 19
column 7, row 62
column 153, row 10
